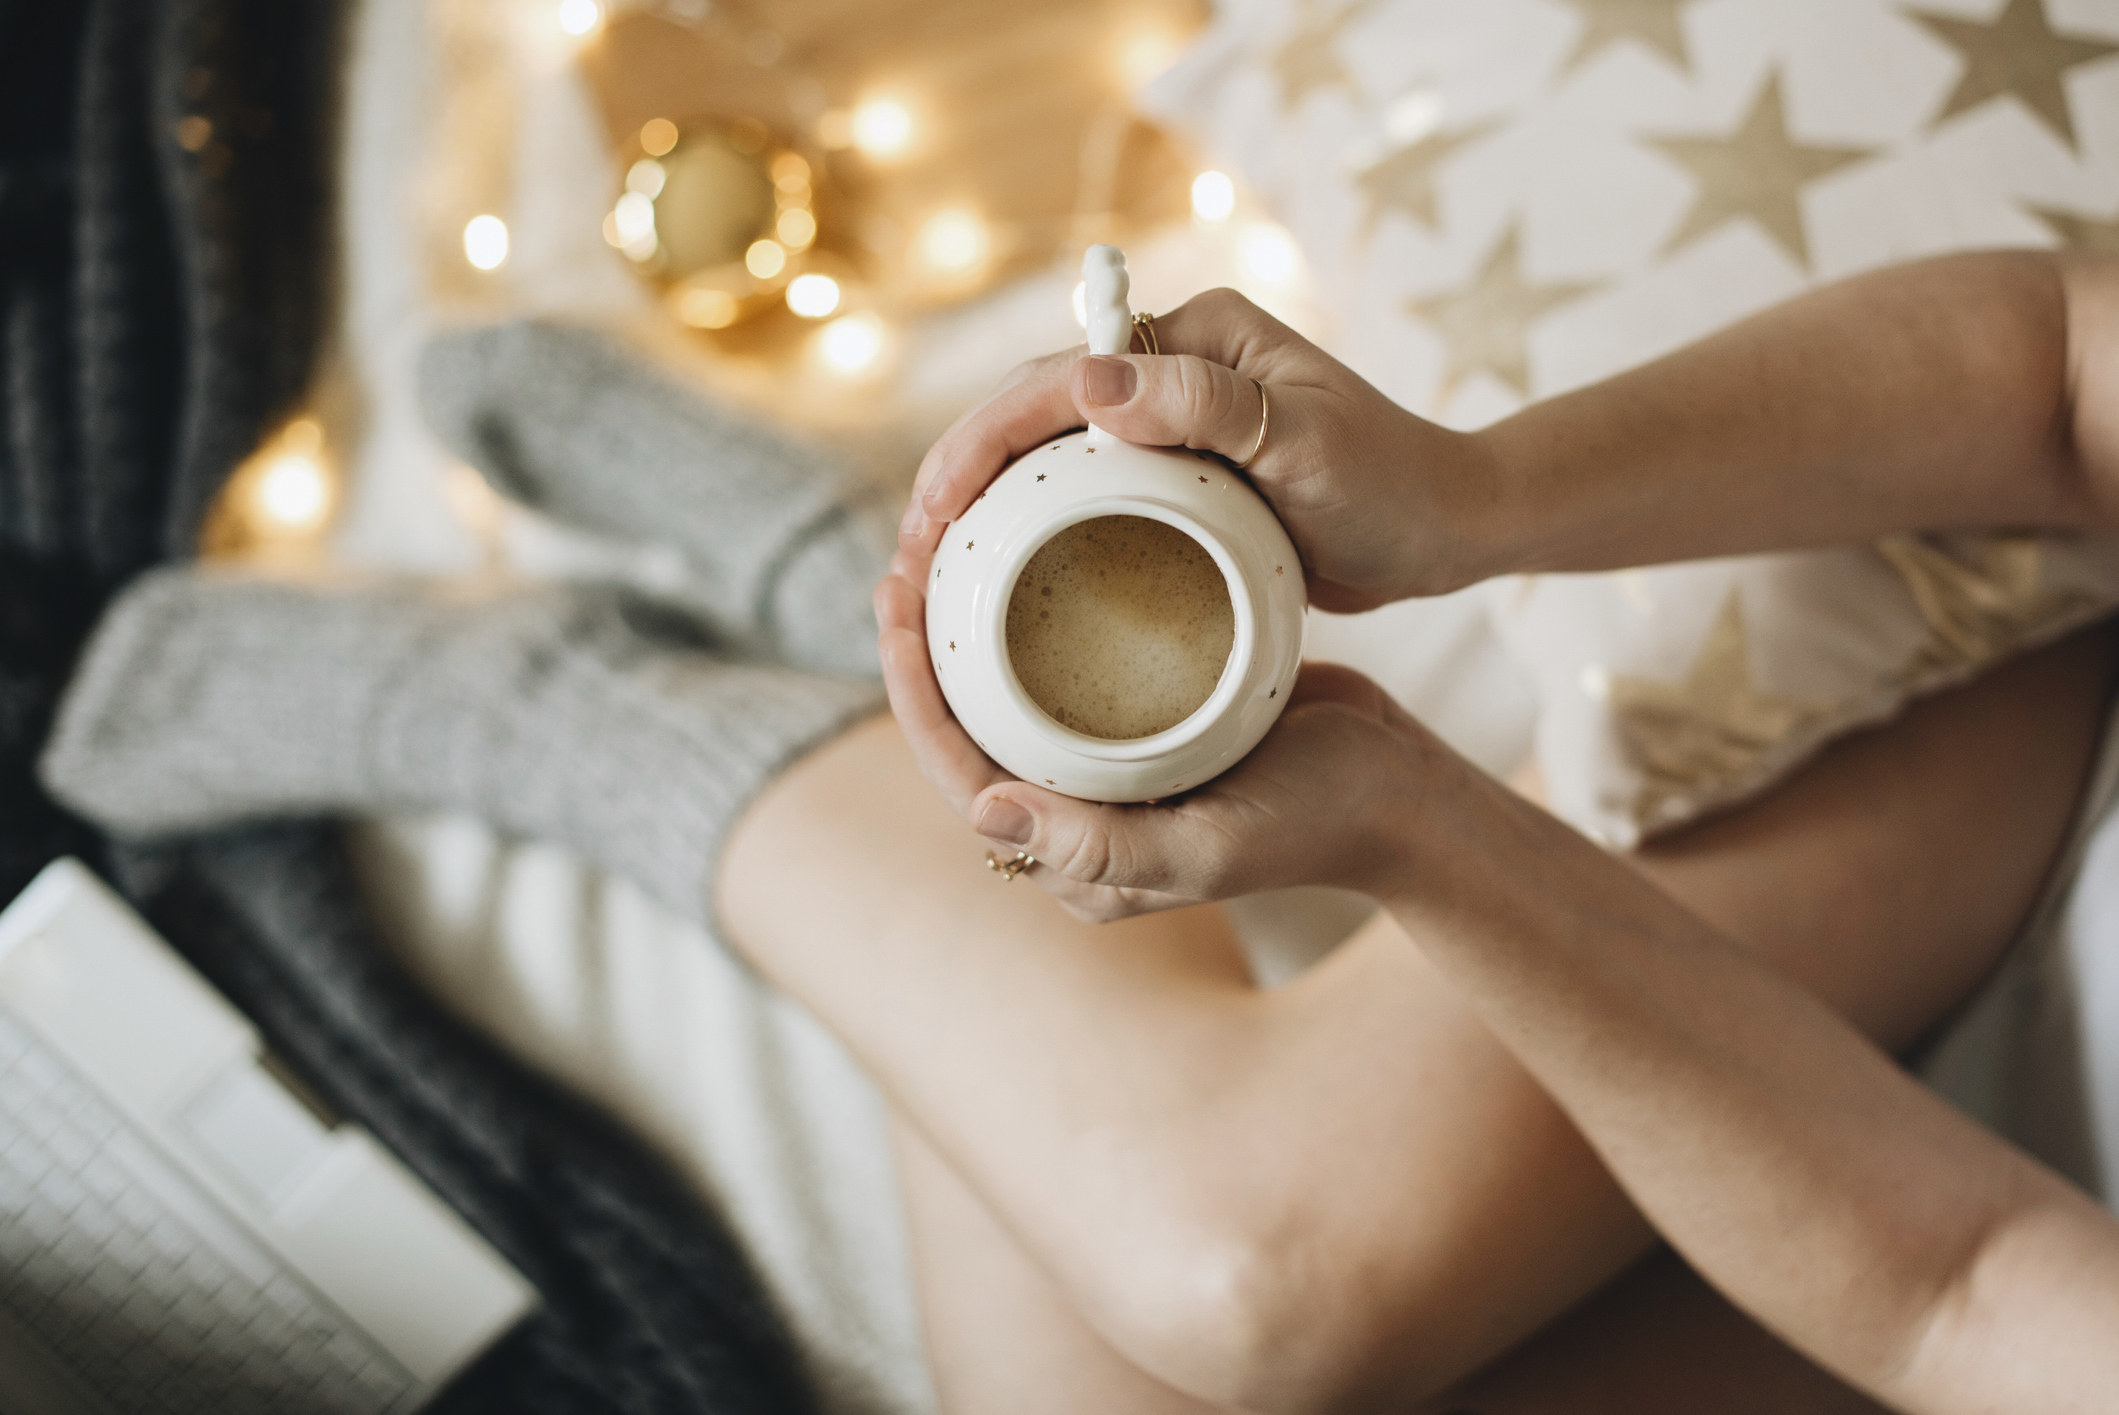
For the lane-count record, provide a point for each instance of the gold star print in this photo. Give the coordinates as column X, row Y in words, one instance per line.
column 2017, row 54
column 1706, row 734
column 1488, row 325
column 1982, row 596
column 2080, row 233
column 1405, row 179
column 1758, row 171
column 1309, row 59
column 1652, row 22
column 1040, row 476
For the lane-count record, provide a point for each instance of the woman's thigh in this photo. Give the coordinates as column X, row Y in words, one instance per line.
column 1344, row 1188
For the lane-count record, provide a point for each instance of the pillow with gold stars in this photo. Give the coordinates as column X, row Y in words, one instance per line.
column 1504, row 200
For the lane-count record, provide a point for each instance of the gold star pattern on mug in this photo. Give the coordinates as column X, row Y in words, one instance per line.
column 1655, row 24
column 1404, row 179
column 2017, row 54
column 1487, row 324
column 1714, row 726
column 1308, row 60
column 1758, row 171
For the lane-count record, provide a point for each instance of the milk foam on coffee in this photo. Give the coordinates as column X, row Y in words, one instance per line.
column 1120, row 626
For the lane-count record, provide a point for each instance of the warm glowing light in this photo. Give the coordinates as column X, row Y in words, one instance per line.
column 635, row 215
column 765, row 259
column 881, row 127
column 657, row 137
column 851, row 344
column 578, row 17
column 1213, row 196
column 632, row 227
column 796, row 228
column 790, row 172
column 293, row 492
column 1081, row 303
column 953, row 240
column 486, row 242
column 1147, row 54
column 813, row 296
column 1269, row 255
column 707, row 309
column 646, row 177
column 303, row 435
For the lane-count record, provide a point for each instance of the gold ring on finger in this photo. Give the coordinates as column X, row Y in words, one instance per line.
column 1144, row 326
column 1265, row 416
column 1009, row 869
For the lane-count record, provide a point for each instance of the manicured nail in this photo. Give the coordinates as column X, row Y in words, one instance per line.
column 1003, row 819
column 909, row 524
column 1110, row 381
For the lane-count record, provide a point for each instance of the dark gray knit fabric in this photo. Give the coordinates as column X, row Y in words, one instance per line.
column 643, row 1308
column 209, row 699
column 781, row 544
column 159, row 308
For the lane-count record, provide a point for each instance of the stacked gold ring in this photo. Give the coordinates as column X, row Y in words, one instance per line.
column 1009, row 869
column 1144, row 326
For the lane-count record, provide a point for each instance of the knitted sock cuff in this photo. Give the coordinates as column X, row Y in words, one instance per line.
column 207, row 700
column 781, row 544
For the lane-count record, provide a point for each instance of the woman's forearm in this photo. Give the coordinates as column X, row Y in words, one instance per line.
column 1789, row 1160
column 1934, row 395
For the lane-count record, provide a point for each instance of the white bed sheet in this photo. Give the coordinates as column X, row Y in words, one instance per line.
column 579, row 972
column 587, row 978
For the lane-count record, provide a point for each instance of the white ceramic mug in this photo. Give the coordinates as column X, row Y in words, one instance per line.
column 1080, row 477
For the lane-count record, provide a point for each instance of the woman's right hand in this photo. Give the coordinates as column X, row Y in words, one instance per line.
column 1382, row 505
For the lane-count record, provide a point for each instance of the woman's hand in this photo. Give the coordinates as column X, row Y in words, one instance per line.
column 1381, row 504
column 1316, row 803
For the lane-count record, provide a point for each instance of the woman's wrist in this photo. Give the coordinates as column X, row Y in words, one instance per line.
column 1451, row 842
column 1536, row 490
column 1430, row 801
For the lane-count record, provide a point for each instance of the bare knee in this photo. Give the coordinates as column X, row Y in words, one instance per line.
column 1259, row 1302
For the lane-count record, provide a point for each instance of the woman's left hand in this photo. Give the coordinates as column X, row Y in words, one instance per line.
column 1316, row 803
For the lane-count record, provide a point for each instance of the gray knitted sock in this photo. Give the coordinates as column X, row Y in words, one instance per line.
column 782, row 544
column 207, row 699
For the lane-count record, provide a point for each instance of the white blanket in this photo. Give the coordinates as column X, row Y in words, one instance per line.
column 581, row 974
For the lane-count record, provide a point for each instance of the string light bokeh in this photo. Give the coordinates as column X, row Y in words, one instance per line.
column 486, row 242
column 280, row 501
column 580, row 17
column 842, row 265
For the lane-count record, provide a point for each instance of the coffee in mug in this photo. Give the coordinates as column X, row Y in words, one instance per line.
column 1119, row 627
column 1113, row 622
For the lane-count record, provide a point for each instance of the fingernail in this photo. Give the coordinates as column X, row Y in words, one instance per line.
column 1110, row 381
column 910, row 523
column 1003, row 819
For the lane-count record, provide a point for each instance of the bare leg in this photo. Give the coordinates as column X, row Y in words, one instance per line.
column 1657, row 1342
column 1000, row 1334
column 1344, row 1191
